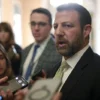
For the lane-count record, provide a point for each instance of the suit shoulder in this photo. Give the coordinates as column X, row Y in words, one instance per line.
column 28, row 47
column 18, row 46
column 96, row 63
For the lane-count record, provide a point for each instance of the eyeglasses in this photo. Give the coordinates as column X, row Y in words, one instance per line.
column 40, row 24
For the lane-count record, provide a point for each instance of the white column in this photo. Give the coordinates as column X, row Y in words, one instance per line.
column 97, row 29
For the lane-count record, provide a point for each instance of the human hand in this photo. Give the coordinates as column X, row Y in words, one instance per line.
column 8, row 95
column 57, row 96
column 40, row 74
column 37, row 76
column 3, row 80
column 20, row 95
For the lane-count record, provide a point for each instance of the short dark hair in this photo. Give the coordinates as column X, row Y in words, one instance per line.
column 43, row 11
column 84, row 15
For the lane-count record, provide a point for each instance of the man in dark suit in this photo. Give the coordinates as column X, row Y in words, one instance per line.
column 81, row 80
column 46, row 56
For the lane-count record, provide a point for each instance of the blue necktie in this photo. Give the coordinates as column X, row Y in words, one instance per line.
column 30, row 66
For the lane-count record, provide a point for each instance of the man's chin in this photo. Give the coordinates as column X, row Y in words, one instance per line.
column 61, row 51
column 65, row 53
column 38, row 40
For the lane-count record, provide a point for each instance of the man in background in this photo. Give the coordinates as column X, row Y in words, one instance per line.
column 81, row 72
column 46, row 55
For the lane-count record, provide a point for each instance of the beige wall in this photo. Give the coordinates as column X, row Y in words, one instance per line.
column 27, row 6
column 7, row 11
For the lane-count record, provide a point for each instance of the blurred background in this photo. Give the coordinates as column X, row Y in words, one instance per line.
column 17, row 13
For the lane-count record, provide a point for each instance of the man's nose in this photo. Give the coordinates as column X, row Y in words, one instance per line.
column 36, row 27
column 59, row 31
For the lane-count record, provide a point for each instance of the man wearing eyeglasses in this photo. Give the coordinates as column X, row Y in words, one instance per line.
column 46, row 55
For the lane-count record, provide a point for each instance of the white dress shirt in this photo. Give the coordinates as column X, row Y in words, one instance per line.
column 38, row 54
column 72, row 61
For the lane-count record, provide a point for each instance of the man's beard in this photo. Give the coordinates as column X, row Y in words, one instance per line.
column 71, row 48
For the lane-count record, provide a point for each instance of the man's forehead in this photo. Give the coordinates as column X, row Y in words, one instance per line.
column 38, row 14
column 39, row 17
column 66, row 14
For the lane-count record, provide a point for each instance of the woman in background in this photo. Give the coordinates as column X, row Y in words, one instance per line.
column 13, row 50
column 5, row 65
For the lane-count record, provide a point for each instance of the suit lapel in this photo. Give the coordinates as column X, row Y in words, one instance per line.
column 76, row 73
column 26, row 52
column 24, row 57
column 45, row 53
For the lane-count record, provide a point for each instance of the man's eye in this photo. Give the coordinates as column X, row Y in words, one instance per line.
column 55, row 26
column 42, row 23
column 33, row 23
column 67, row 25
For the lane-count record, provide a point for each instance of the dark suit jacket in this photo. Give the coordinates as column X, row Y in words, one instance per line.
column 84, row 81
column 16, row 62
column 48, row 58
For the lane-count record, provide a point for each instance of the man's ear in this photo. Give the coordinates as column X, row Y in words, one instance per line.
column 87, row 30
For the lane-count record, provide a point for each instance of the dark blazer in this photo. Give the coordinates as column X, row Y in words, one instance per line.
column 84, row 81
column 48, row 58
column 16, row 62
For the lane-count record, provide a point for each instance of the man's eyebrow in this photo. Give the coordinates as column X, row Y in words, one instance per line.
column 62, row 22
column 39, row 21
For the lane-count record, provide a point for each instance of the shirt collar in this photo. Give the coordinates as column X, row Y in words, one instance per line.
column 43, row 44
column 72, row 61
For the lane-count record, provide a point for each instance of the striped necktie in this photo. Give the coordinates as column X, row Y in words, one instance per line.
column 64, row 66
column 30, row 66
